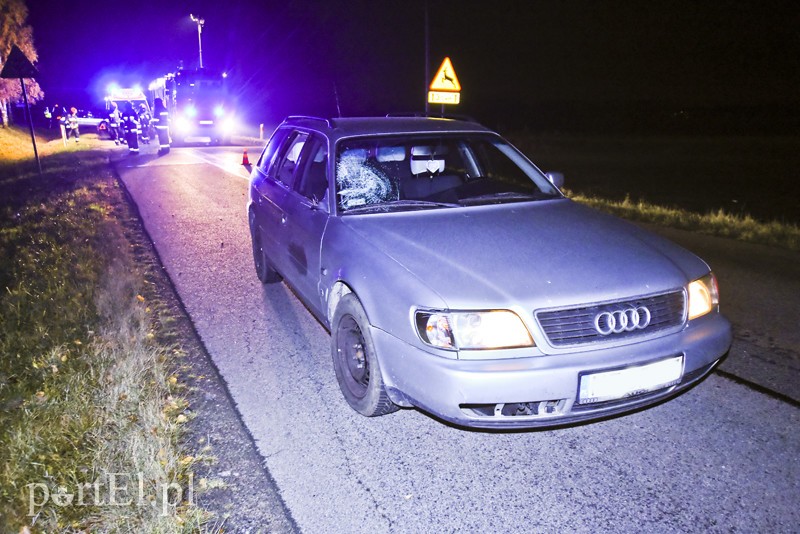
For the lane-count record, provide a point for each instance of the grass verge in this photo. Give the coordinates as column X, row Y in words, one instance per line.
column 718, row 223
column 90, row 417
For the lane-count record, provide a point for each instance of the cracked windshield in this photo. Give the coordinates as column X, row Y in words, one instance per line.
column 403, row 173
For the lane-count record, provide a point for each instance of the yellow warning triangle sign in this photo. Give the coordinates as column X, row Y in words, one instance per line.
column 446, row 79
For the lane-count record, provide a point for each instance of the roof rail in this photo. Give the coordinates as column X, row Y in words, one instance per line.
column 328, row 122
column 406, row 114
column 454, row 116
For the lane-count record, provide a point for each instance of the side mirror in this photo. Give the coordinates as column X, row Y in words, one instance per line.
column 556, row 178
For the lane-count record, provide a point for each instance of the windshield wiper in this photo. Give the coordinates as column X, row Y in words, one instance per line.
column 392, row 204
column 504, row 196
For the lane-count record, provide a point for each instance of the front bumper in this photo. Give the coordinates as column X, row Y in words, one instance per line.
column 539, row 391
column 204, row 131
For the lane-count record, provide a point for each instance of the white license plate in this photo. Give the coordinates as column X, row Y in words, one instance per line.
column 631, row 381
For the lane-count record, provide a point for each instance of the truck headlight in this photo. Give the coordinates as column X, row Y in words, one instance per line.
column 464, row 330
column 182, row 124
column 703, row 296
column 228, row 125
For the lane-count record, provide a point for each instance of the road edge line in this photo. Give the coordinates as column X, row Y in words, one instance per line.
column 758, row 387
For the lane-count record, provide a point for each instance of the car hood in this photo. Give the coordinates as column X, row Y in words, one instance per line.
column 546, row 254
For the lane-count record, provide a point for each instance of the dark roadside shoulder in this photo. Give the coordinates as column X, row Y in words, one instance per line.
column 230, row 478
column 760, row 295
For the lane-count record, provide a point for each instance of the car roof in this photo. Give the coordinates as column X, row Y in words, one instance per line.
column 341, row 127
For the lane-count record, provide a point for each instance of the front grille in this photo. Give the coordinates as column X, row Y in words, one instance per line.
column 576, row 326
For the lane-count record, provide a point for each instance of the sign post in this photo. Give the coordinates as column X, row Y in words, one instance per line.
column 445, row 87
column 18, row 66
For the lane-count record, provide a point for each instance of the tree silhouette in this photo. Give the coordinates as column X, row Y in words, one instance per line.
column 15, row 31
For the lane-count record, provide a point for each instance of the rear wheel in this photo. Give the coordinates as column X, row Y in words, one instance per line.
column 354, row 360
column 266, row 274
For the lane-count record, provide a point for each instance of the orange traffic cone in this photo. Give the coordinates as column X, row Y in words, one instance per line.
column 245, row 160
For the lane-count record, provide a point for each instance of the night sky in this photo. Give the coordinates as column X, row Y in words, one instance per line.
column 537, row 64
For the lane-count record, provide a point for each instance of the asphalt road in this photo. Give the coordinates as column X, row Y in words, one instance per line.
column 721, row 457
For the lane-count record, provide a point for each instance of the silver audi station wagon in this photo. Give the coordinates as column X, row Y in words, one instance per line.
column 455, row 277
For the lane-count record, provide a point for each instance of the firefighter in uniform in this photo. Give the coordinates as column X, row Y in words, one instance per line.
column 114, row 119
column 144, row 123
column 130, row 124
column 55, row 115
column 71, row 123
column 161, row 122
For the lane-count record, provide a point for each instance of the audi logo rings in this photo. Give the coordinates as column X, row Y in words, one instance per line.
column 624, row 320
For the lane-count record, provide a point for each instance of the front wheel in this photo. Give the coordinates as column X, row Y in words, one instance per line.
column 354, row 360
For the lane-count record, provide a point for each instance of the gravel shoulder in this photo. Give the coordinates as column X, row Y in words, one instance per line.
column 230, row 478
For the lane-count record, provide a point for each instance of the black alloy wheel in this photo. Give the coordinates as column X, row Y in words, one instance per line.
column 352, row 355
column 354, row 360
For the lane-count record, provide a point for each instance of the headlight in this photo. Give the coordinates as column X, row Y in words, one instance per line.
column 497, row 329
column 228, row 125
column 703, row 296
column 190, row 111
column 182, row 124
column 219, row 111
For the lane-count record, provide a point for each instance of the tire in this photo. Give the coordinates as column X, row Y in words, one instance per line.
column 354, row 360
column 264, row 271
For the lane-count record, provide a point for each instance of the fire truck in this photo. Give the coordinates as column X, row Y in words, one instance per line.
column 198, row 104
